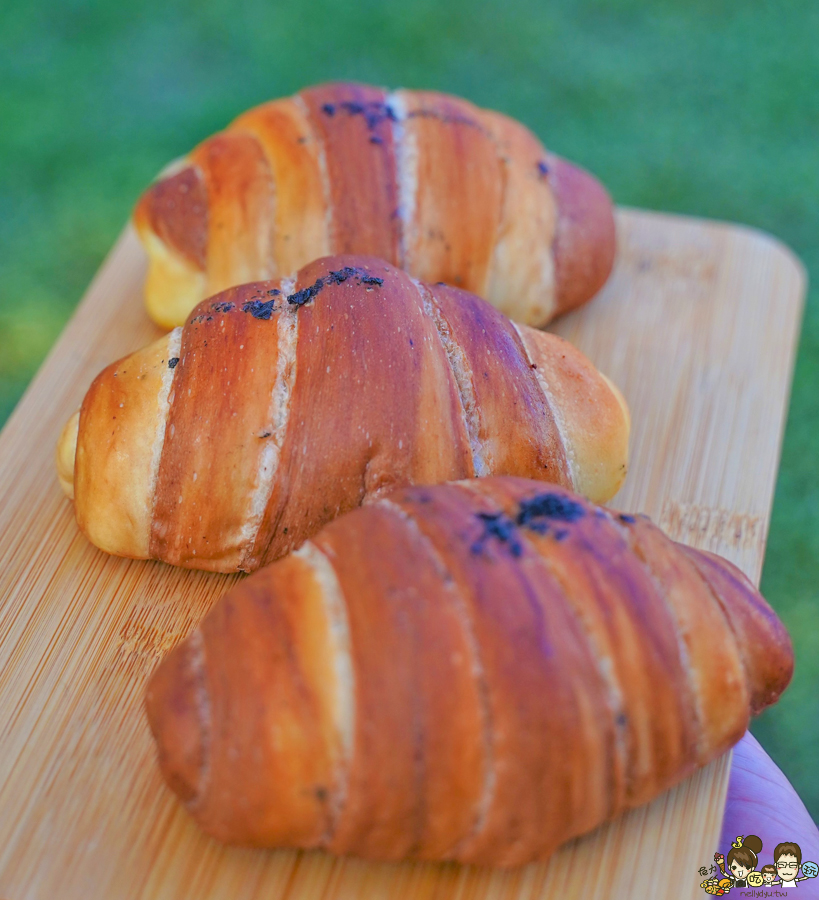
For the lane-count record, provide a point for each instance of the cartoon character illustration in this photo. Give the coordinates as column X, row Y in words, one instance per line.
column 788, row 859
column 768, row 874
column 742, row 859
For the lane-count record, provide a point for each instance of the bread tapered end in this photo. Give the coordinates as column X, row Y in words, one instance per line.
column 66, row 454
column 594, row 417
column 171, row 222
column 586, row 242
column 176, row 703
column 765, row 643
column 172, row 287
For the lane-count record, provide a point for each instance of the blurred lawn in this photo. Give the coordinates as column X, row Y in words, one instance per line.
column 707, row 107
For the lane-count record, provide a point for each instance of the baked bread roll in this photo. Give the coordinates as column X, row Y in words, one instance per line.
column 477, row 671
column 280, row 405
column 428, row 182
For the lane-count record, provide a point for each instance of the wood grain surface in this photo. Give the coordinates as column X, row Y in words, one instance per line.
column 698, row 327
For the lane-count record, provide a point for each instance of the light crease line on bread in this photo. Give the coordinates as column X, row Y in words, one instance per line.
column 604, row 663
column 720, row 605
column 548, row 274
column 462, row 373
column 499, row 244
column 548, row 266
column 269, row 255
column 554, row 408
column 321, row 156
column 164, row 401
column 540, row 296
column 490, row 777
column 717, row 595
column 693, row 673
column 287, row 335
column 344, row 704
column 405, row 143
column 503, row 162
column 198, row 664
column 685, row 659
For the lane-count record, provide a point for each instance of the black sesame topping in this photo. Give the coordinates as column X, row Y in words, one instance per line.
column 500, row 527
column 542, row 168
column 549, row 506
column 374, row 112
column 338, row 276
column 538, row 514
column 172, row 362
column 629, row 520
column 307, row 294
column 259, row 309
column 222, row 306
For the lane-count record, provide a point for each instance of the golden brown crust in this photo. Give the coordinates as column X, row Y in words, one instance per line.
column 217, row 428
column 421, row 179
column 522, row 668
column 171, row 220
column 592, row 415
column 521, row 279
column 632, row 637
column 121, row 422
column 764, row 644
column 458, row 190
column 277, row 685
column 414, row 677
column 288, row 403
column 525, row 639
column 179, row 715
column 370, row 369
column 716, row 681
column 352, row 122
column 516, row 428
column 241, row 202
column 175, row 208
column 294, row 154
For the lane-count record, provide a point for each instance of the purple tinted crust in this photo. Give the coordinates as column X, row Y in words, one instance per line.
column 585, row 241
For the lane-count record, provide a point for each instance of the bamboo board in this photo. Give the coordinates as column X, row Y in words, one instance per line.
column 698, row 326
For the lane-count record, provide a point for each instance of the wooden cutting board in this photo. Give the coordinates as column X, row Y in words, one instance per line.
column 698, row 326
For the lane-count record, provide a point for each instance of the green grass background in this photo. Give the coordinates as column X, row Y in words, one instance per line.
column 707, row 107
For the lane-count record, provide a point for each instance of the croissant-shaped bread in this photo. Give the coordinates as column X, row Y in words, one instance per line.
column 281, row 405
column 476, row 671
column 428, row 182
